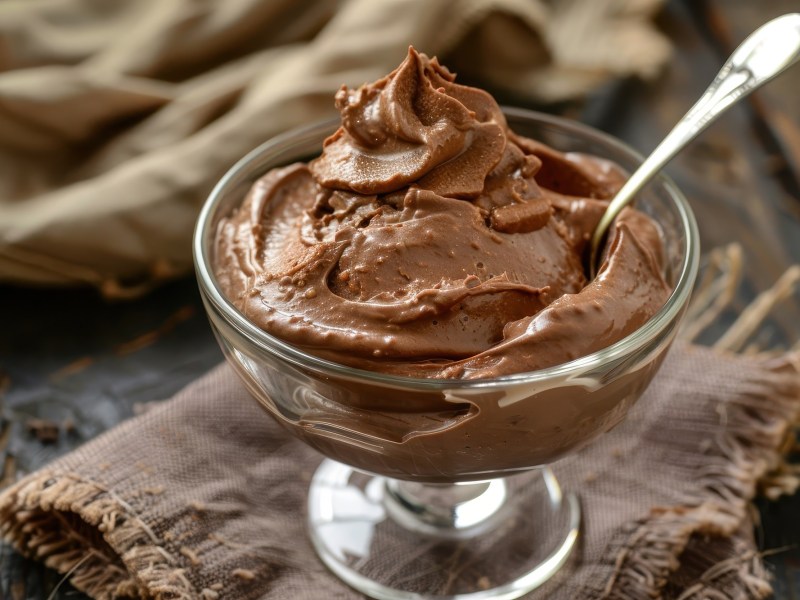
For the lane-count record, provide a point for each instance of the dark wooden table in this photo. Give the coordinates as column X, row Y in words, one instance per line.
column 72, row 366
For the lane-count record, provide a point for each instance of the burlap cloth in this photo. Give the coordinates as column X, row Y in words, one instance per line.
column 116, row 118
column 204, row 495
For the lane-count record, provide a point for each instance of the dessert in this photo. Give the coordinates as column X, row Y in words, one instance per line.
column 429, row 240
column 440, row 253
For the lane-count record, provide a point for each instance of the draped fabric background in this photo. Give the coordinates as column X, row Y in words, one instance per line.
column 116, row 118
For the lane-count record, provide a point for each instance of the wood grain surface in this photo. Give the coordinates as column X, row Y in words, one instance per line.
column 72, row 366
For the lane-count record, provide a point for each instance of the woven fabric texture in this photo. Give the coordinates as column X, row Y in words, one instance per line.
column 204, row 495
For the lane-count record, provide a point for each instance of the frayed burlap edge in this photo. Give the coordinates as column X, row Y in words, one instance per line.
column 649, row 550
column 745, row 567
column 754, row 447
column 52, row 518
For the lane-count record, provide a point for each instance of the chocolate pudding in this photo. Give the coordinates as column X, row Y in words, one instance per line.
column 428, row 240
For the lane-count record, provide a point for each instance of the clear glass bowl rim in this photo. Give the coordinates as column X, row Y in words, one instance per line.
column 624, row 347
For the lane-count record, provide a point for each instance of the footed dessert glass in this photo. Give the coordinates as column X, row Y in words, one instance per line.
column 436, row 488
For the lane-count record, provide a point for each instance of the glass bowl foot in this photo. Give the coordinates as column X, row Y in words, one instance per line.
column 395, row 540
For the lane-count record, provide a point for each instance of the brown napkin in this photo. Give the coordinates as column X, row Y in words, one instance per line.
column 204, row 496
column 116, row 118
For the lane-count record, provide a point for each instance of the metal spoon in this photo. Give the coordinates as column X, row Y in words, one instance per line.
column 769, row 51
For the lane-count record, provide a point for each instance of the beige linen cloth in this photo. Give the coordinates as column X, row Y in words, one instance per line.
column 116, row 118
column 204, row 496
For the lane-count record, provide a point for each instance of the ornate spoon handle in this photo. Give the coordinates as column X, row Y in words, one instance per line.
column 766, row 53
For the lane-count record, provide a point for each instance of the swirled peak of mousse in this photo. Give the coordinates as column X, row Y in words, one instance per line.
column 429, row 240
column 413, row 127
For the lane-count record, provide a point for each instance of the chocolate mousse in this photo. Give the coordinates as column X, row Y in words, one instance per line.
column 429, row 240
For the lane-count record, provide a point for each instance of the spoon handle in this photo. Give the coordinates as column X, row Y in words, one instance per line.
column 766, row 53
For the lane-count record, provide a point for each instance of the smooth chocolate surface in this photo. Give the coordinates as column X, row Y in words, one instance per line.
column 429, row 240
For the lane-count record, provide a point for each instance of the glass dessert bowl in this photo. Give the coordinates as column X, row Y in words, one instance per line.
column 440, row 488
